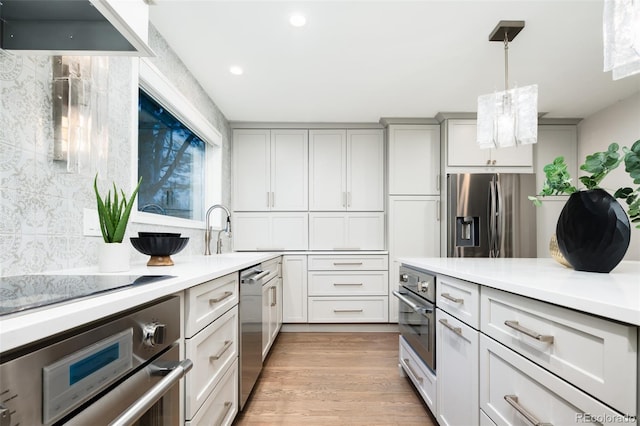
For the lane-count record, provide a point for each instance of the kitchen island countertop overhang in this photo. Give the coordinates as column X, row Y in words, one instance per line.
column 23, row 328
column 615, row 295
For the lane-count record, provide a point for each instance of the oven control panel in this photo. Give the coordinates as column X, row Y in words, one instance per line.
column 75, row 378
column 419, row 282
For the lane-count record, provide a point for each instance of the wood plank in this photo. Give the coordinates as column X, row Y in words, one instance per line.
column 334, row 378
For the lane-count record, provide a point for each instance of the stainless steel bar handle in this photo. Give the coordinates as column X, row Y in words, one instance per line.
column 344, row 199
column 452, row 299
column 492, row 218
column 227, row 344
column 148, row 400
column 348, row 284
column 349, row 199
column 539, row 337
column 273, row 199
column 260, row 276
column 347, row 263
column 438, row 210
column 512, row 400
column 268, row 198
column 438, row 182
column 422, row 310
column 499, row 218
column 273, row 295
column 221, row 298
column 347, row 310
column 456, row 330
column 227, row 408
column 419, row 378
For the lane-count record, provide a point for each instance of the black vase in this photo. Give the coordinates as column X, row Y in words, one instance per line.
column 593, row 231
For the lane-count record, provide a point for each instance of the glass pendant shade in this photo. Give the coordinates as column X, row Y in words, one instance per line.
column 508, row 118
column 621, row 35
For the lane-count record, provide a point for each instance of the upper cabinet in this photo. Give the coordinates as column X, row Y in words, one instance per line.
column 81, row 27
column 346, row 170
column 414, row 159
column 463, row 149
column 270, row 170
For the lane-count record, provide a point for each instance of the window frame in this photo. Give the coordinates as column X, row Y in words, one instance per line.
column 160, row 89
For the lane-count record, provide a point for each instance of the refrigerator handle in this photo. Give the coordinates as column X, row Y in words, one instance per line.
column 491, row 219
column 499, row 219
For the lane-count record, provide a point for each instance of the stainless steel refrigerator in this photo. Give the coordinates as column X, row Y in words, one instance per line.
column 489, row 215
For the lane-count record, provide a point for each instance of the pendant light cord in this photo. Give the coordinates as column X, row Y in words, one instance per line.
column 506, row 61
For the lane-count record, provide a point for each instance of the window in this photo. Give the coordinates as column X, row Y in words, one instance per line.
column 178, row 155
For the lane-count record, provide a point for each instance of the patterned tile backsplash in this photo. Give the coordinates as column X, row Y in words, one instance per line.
column 40, row 204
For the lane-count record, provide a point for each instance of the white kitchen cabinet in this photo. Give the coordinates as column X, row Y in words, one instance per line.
column 463, row 149
column 221, row 407
column 270, row 170
column 346, row 231
column 207, row 301
column 271, row 304
column 414, row 159
column 510, row 385
column 457, row 346
column 346, row 170
column 270, row 231
column 553, row 141
column 414, row 231
column 294, row 289
column 422, row 377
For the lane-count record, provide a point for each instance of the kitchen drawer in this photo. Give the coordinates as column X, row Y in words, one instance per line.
column 222, row 405
column 459, row 298
column 212, row 351
column 206, row 302
column 273, row 266
column 348, row 309
column 423, row 379
column 348, row 283
column 350, row 263
column 542, row 394
column 596, row 355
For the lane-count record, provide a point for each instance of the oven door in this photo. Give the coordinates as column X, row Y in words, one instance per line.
column 416, row 320
column 150, row 397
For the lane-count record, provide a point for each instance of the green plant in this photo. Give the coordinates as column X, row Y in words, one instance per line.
column 114, row 214
column 599, row 165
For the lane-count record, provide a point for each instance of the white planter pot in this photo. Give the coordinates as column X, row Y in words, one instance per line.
column 114, row 257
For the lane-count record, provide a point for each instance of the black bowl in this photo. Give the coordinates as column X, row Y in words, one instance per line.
column 158, row 234
column 159, row 248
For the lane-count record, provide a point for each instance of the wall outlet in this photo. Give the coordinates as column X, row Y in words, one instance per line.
column 90, row 223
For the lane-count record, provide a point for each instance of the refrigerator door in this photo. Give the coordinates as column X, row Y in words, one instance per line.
column 489, row 215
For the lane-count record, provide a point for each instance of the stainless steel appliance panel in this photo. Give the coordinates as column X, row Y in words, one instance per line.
column 489, row 215
column 250, row 312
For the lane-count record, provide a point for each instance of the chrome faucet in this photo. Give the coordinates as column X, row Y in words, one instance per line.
column 208, row 230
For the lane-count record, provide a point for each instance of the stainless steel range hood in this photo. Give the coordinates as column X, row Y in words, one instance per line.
column 75, row 27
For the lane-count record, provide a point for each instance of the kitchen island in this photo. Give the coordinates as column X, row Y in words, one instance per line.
column 529, row 338
column 26, row 327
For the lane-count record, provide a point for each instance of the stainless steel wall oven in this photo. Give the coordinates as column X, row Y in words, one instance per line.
column 123, row 370
column 416, row 313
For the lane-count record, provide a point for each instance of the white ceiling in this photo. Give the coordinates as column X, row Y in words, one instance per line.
column 358, row 61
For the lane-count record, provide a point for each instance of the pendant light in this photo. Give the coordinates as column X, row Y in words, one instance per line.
column 621, row 36
column 509, row 117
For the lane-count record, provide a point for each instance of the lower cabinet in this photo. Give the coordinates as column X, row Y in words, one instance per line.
column 423, row 379
column 457, row 369
column 294, row 289
column 222, row 406
column 348, row 288
column 271, row 304
column 514, row 390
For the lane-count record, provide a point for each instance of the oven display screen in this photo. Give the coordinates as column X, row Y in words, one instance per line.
column 94, row 362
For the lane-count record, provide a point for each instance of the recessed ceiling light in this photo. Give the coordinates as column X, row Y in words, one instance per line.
column 297, row 20
column 236, row 70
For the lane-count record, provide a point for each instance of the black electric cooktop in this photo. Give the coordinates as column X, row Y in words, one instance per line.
column 23, row 292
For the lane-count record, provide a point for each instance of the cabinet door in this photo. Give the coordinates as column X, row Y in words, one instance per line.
column 514, row 156
column 327, row 231
column 294, row 289
column 266, row 317
column 365, row 170
column 251, row 231
column 289, row 170
column 462, row 145
column 457, row 348
column 251, row 170
column 364, row 231
column 289, row 231
column 414, row 159
column 327, row 170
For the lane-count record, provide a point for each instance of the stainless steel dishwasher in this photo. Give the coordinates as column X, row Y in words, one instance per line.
column 250, row 329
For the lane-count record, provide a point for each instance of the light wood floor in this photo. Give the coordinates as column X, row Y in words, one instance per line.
column 334, row 379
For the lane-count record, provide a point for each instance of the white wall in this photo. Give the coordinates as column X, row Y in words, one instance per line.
column 618, row 123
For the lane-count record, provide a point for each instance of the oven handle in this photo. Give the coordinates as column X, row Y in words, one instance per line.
column 422, row 310
column 148, row 400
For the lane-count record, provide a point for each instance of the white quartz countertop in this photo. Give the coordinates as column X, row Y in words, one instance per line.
column 615, row 295
column 22, row 328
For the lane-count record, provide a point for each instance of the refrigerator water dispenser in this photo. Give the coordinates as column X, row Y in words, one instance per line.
column 467, row 231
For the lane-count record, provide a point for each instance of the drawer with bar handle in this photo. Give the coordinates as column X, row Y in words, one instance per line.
column 348, row 309
column 596, row 355
column 460, row 299
column 347, row 283
column 348, row 262
column 423, row 379
column 212, row 351
column 207, row 301
column 221, row 406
